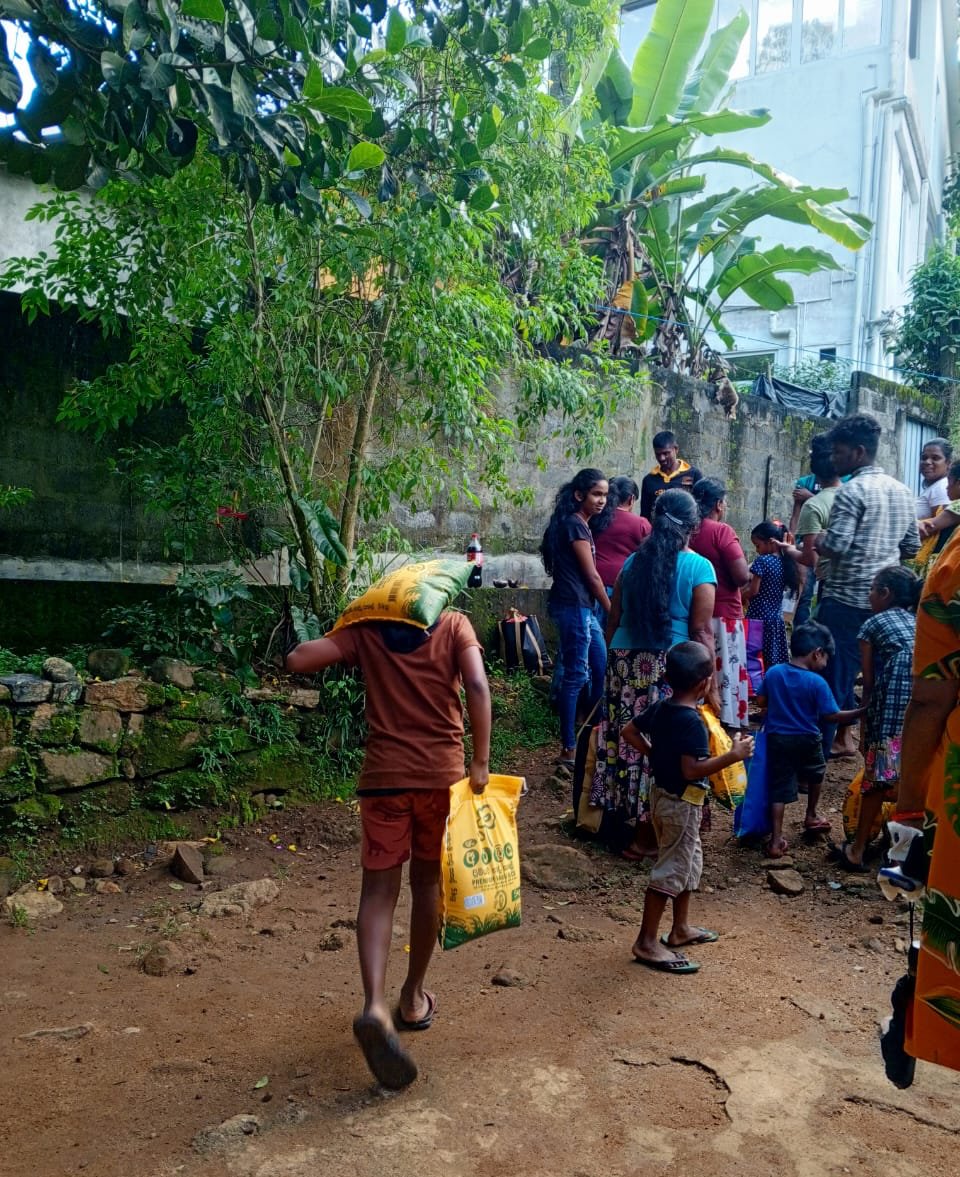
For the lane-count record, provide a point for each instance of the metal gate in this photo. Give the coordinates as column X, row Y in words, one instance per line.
column 916, row 434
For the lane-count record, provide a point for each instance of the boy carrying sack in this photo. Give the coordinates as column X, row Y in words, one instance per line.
column 414, row 754
column 675, row 738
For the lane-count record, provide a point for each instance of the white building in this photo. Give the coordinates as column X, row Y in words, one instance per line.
column 864, row 95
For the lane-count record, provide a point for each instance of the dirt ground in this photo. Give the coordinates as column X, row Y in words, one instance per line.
column 764, row 1062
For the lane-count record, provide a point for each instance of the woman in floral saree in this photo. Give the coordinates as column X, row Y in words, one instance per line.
column 929, row 796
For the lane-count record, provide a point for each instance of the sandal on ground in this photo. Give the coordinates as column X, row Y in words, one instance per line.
column 679, row 964
column 845, row 862
column 423, row 1023
column 703, row 936
column 390, row 1064
column 820, row 826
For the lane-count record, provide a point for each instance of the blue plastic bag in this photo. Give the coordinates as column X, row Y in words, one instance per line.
column 751, row 818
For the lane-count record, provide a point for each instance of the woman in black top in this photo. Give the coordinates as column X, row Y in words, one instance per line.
column 569, row 557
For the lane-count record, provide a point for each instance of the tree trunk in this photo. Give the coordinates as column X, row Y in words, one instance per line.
column 361, row 437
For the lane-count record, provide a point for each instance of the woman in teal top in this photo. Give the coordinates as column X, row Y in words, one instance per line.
column 663, row 595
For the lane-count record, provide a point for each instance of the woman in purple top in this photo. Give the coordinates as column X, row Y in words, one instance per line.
column 569, row 557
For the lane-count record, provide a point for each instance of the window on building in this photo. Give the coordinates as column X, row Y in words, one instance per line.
column 820, row 30
column 774, row 35
column 861, row 23
column 828, row 355
column 914, row 34
column 748, row 366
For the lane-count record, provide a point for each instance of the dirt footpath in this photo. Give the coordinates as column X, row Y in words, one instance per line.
column 239, row 1061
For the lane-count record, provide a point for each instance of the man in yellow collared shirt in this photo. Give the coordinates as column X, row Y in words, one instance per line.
column 670, row 472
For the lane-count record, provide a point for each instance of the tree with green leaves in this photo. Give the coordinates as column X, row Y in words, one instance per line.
column 675, row 253
column 335, row 361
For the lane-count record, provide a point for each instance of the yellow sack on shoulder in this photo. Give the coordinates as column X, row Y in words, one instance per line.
column 415, row 593
column 730, row 784
column 480, row 888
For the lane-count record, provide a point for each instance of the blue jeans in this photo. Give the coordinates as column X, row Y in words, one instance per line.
column 844, row 622
column 802, row 612
column 583, row 653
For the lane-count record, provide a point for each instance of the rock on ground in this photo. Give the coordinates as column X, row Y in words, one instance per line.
column 162, row 958
column 240, row 899
column 64, row 1033
column 785, row 882
column 220, row 1137
column 173, row 671
column 38, row 905
column 187, row 864
column 556, row 868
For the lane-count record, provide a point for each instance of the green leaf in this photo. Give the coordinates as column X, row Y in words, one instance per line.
column 539, row 49
column 111, row 66
column 483, row 197
column 487, row 131
column 615, row 91
column 212, row 10
column 757, row 274
column 396, row 31
column 365, row 155
column 340, row 102
column 515, row 72
column 243, row 100
column 323, row 527
column 669, row 133
column 11, row 88
column 261, row 1082
column 665, row 57
column 712, row 74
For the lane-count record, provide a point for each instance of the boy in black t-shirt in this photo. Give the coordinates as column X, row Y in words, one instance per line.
column 674, row 737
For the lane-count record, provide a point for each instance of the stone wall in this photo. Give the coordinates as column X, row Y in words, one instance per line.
column 74, row 752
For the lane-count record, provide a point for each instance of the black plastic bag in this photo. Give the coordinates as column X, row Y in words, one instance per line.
column 521, row 644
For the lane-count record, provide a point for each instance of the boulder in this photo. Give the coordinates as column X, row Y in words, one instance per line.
column 107, row 664
column 163, row 744
column 58, row 670
column 101, row 868
column 125, row 694
column 37, row 905
column 8, row 758
column 8, row 872
column 174, row 672
column 4, row 694
column 52, row 724
column 107, row 887
column 219, row 865
column 73, row 770
column 26, row 688
column 187, row 864
column 785, row 882
column 101, row 728
column 304, row 698
column 556, row 868
column 77, row 883
column 66, row 692
column 240, row 899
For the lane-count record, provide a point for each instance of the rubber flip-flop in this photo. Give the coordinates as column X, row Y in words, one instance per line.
column 817, row 827
column 390, row 1064
column 705, row 936
column 679, row 964
column 847, row 864
column 423, row 1023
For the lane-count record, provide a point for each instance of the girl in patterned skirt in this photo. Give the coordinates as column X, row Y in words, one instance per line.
column 886, row 652
column 771, row 573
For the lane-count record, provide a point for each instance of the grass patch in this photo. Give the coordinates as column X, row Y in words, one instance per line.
column 522, row 717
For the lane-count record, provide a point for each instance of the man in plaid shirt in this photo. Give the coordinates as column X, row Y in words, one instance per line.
column 872, row 524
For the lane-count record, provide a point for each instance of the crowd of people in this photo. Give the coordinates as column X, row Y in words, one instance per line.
column 687, row 619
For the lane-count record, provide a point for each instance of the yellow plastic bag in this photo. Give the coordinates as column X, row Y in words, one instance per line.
column 415, row 593
column 480, row 889
column 730, row 784
column 589, row 816
column 851, row 811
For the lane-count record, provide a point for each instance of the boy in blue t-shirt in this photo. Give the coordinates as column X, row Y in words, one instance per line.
column 797, row 700
column 674, row 736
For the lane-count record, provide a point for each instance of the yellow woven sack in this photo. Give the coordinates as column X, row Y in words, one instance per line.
column 589, row 816
column 730, row 784
column 415, row 593
column 481, row 861
column 851, row 810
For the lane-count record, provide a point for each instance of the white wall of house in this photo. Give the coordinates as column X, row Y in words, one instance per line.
column 864, row 96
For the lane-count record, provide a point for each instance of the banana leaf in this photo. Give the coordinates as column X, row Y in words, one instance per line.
column 662, row 64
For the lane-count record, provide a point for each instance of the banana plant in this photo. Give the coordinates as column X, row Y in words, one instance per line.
column 674, row 253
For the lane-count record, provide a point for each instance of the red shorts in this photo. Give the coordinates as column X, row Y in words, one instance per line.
column 397, row 826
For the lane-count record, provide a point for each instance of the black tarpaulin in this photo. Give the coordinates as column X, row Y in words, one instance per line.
column 796, row 399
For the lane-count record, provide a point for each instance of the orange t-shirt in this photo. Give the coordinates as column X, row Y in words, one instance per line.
column 414, row 713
